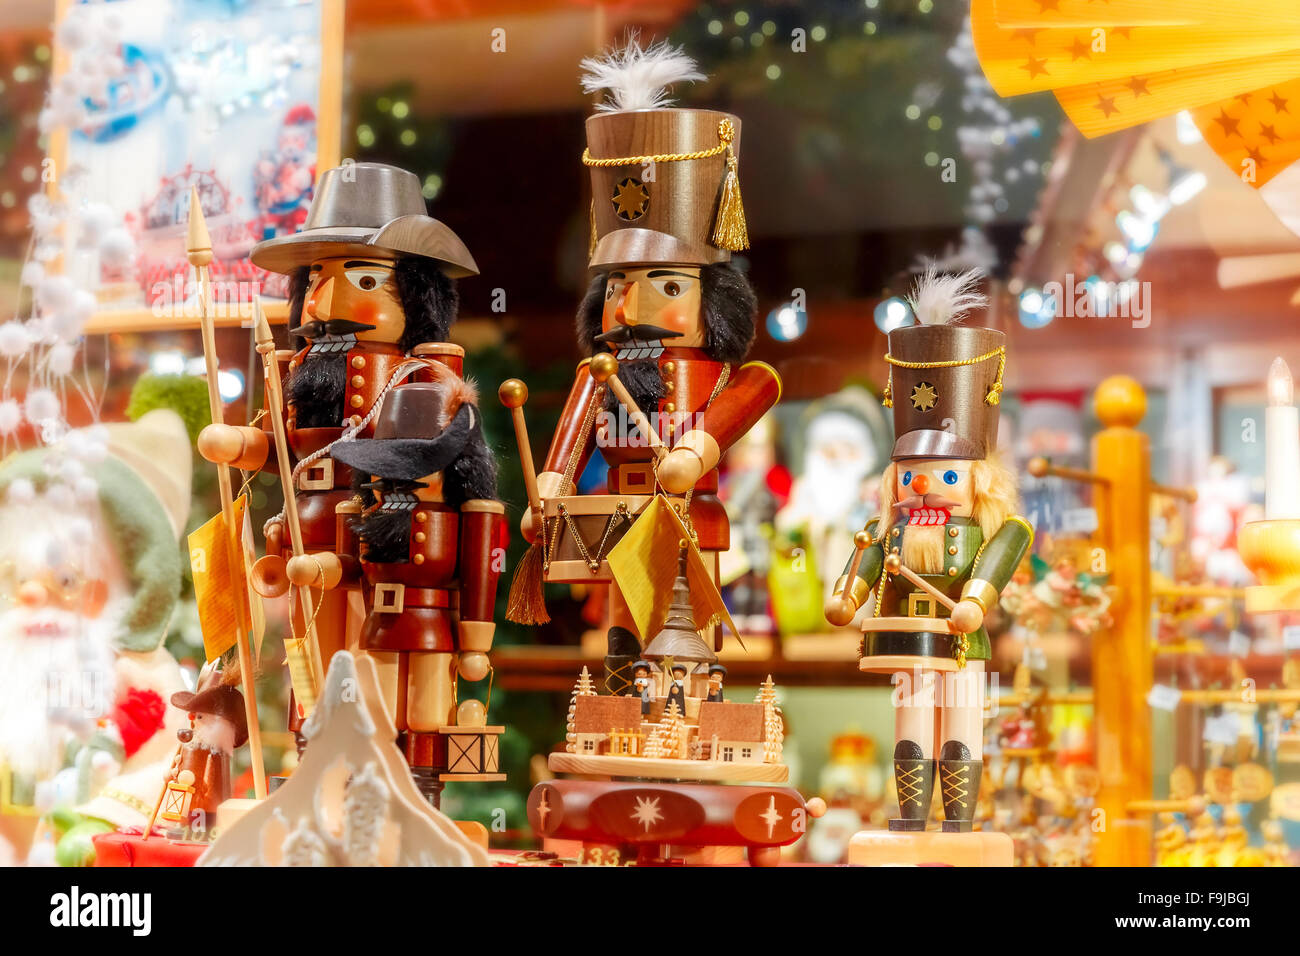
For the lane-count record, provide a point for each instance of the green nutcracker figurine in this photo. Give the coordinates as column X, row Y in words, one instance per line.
column 945, row 544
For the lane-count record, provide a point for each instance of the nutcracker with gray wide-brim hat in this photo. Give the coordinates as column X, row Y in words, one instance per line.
column 372, row 290
column 364, row 209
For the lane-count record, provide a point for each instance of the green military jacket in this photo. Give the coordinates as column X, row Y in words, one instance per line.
column 972, row 568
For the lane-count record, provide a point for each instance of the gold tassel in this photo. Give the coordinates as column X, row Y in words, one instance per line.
column 591, row 243
column 729, row 229
column 527, row 604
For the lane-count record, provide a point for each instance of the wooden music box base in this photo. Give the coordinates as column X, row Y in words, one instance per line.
column 647, row 823
column 930, row 848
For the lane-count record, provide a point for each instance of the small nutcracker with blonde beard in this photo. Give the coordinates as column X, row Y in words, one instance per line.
column 946, row 543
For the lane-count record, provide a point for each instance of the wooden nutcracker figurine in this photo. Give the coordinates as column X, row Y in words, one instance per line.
column 945, row 544
column 677, row 315
column 199, row 780
column 373, row 292
column 428, row 528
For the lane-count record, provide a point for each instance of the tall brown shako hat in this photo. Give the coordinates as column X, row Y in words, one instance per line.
column 219, row 696
column 664, row 180
column 362, row 209
column 945, row 379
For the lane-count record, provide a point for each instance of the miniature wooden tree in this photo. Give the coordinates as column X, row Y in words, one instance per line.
column 773, row 736
column 671, row 732
column 584, row 687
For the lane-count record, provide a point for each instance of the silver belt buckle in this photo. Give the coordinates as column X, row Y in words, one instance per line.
column 389, row 598
column 318, row 476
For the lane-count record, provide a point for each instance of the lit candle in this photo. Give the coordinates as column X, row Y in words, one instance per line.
column 1282, row 445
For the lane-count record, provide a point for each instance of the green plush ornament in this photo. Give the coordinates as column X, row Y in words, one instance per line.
column 186, row 395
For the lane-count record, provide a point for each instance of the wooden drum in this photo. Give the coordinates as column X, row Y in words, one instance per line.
column 581, row 530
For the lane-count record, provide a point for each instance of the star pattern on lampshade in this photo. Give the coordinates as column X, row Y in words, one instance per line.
column 1256, row 134
column 1233, row 67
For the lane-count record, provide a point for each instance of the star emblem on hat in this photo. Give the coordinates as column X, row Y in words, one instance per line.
column 631, row 199
column 924, row 397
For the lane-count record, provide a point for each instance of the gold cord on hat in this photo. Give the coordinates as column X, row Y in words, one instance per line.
column 730, row 231
column 992, row 397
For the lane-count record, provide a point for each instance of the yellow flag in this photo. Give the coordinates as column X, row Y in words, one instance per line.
column 220, row 591
column 644, row 566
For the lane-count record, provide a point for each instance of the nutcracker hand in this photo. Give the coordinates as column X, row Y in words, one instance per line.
column 839, row 609
column 323, row 569
column 528, row 527
column 967, row 617
column 679, row 470
column 242, row 446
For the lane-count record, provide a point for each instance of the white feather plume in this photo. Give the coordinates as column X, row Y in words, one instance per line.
column 945, row 299
column 636, row 78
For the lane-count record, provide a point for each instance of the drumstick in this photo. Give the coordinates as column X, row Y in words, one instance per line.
column 513, row 394
column 841, row 611
column 604, row 369
column 895, row 565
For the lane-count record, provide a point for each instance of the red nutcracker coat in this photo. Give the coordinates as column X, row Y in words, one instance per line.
column 696, row 398
column 451, row 576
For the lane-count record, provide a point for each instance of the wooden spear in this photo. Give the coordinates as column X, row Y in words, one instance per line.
column 198, row 249
column 275, row 404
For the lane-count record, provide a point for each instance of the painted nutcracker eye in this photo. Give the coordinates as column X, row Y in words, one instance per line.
column 367, row 280
column 950, row 477
column 672, row 288
column 907, row 478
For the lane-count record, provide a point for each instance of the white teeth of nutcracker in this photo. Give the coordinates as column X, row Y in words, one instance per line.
column 928, row 516
column 631, row 353
column 333, row 343
column 399, row 501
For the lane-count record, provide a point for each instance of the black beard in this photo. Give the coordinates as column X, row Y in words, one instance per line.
column 643, row 382
column 386, row 536
column 316, row 389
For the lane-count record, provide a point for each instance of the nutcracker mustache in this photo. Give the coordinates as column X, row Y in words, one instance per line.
column 318, row 328
column 641, row 333
column 908, row 505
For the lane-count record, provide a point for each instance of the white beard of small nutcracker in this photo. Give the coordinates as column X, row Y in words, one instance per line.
column 938, row 556
column 372, row 290
column 428, row 530
column 679, row 318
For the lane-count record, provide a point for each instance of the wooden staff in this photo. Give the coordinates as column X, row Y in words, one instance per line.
column 514, row 394
column 604, row 369
column 198, row 249
column 162, row 795
column 275, row 403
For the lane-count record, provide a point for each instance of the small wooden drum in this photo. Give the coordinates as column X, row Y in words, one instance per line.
column 580, row 531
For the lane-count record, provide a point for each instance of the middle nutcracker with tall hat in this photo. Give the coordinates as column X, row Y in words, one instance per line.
column 667, row 321
column 933, row 564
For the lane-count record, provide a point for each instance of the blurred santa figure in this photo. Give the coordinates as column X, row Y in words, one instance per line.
column 90, row 575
